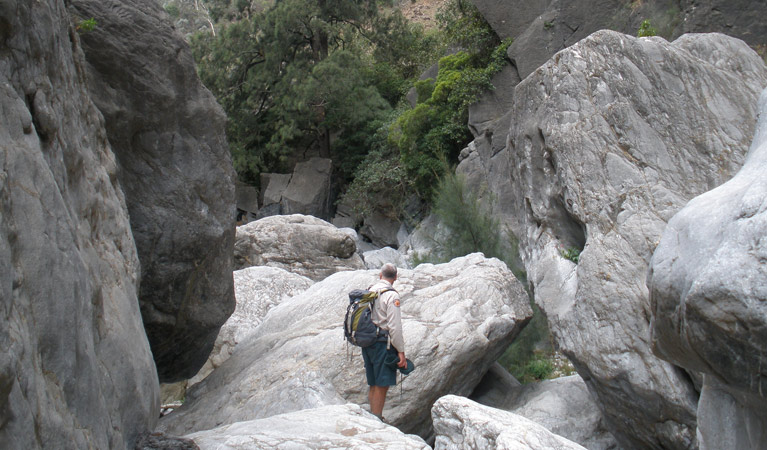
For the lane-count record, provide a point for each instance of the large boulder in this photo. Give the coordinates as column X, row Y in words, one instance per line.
column 337, row 426
column 460, row 423
column 562, row 405
column 458, row 318
column 304, row 245
column 168, row 134
column 708, row 286
column 607, row 141
column 76, row 370
column 257, row 290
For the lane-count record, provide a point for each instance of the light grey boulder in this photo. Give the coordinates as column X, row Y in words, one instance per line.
column 458, row 318
column 607, row 141
column 374, row 259
column 708, row 286
column 168, row 134
column 460, row 423
column 562, row 405
column 257, row 290
column 304, row 245
column 337, row 426
column 76, row 370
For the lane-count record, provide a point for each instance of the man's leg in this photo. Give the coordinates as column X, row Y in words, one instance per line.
column 377, row 397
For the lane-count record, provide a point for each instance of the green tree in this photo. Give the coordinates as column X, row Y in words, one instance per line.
column 295, row 75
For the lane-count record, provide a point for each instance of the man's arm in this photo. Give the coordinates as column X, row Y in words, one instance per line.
column 394, row 319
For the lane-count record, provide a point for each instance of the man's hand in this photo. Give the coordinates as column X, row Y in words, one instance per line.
column 402, row 361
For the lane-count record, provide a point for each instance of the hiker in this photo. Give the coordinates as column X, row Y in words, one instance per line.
column 386, row 315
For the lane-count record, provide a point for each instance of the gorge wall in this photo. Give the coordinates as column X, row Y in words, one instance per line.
column 115, row 185
column 76, row 368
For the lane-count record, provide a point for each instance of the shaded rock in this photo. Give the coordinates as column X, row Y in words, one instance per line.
column 380, row 229
column 159, row 441
column 76, row 370
column 374, row 259
column 168, row 134
column 257, row 290
column 338, row 426
column 494, row 103
column 246, row 197
column 460, row 423
column 541, row 28
column 708, row 286
column 494, row 387
column 458, row 318
column 510, row 18
column 272, row 187
column 304, row 245
column 309, row 189
column 563, row 406
column 607, row 141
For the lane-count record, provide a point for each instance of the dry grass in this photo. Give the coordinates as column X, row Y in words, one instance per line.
column 422, row 11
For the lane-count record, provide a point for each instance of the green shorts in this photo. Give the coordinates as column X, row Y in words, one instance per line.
column 378, row 373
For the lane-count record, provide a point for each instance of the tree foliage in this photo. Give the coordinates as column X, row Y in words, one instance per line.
column 292, row 76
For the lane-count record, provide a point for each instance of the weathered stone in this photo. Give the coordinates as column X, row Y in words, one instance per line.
column 374, row 259
column 76, row 370
column 339, row 426
column 168, row 134
column 380, row 229
column 607, row 141
column 309, row 189
column 458, row 318
column 257, row 290
column 460, row 423
column 562, row 405
column 304, row 245
column 708, row 286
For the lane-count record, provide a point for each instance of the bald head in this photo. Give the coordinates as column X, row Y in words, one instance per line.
column 389, row 272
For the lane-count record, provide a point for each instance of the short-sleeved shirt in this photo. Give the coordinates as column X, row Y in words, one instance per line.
column 386, row 313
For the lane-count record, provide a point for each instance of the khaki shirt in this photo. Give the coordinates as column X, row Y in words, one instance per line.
column 386, row 314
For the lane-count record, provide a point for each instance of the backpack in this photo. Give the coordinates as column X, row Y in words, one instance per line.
column 359, row 328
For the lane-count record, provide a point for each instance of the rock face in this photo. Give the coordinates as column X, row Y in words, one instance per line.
column 167, row 132
column 458, row 318
column 708, row 286
column 606, row 142
column 76, row 370
column 541, row 28
column 257, row 290
column 562, row 405
column 460, row 423
column 304, row 245
column 338, row 426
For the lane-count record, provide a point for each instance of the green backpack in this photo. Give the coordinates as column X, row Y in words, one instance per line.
column 359, row 328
